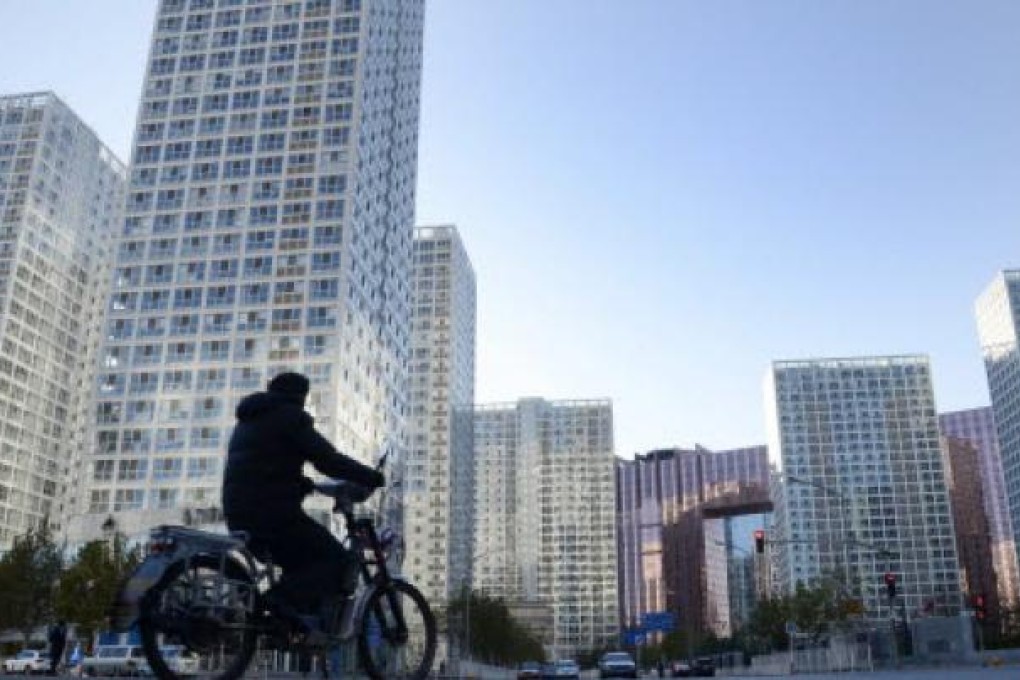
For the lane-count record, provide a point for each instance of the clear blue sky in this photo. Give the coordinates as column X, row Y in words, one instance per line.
column 661, row 197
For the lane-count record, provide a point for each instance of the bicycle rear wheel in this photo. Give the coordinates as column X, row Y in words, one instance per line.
column 397, row 639
column 199, row 623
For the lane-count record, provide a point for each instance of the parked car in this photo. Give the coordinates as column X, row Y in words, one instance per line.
column 617, row 665
column 703, row 666
column 179, row 659
column 529, row 670
column 116, row 660
column 564, row 668
column 28, row 661
column 680, row 669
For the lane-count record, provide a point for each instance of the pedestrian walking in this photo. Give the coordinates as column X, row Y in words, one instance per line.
column 74, row 661
column 57, row 639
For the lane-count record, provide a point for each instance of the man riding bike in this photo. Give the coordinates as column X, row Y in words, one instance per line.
column 263, row 487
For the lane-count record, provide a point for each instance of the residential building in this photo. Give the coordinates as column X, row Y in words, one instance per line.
column 61, row 197
column 676, row 510
column 998, row 315
column 856, row 443
column 544, row 522
column 268, row 227
column 439, row 479
column 977, row 426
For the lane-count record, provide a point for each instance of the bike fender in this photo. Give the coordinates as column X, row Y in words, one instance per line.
column 125, row 610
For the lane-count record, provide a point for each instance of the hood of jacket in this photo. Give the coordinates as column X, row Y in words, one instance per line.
column 259, row 403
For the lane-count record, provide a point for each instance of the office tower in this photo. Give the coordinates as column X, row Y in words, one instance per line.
column 857, row 444
column 973, row 535
column 676, row 514
column 544, row 515
column 997, row 321
column 977, row 426
column 268, row 227
column 61, row 196
column 439, row 473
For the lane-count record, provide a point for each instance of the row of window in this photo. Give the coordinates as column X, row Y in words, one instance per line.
column 288, row 34
column 262, row 7
column 251, row 294
column 202, row 380
column 243, row 145
column 289, row 320
column 183, row 325
column 160, row 499
column 217, row 270
column 253, row 34
column 263, row 239
column 236, row 145
column 328, row 210
column 308, row 51
column 162, row 468
column 248, row 349
column 278, row 80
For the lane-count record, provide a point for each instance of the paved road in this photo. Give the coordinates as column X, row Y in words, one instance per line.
column 936, row 674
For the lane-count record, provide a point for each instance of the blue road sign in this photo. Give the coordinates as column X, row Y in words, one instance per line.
column 633, row 637
column 659, row 621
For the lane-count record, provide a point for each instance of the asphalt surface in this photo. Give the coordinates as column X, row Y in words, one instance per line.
column 911, row 674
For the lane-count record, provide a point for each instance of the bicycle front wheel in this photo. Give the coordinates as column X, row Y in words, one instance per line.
column 397, row 639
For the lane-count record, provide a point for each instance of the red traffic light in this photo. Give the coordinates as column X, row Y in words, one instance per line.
column 890, row 584
column 759, row 541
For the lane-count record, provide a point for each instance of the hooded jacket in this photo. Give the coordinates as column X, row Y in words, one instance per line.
column 273, row 439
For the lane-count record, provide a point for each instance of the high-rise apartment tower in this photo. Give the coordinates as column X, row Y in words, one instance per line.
column 268, row 227
column 544, row 515
column 61, row 197
column 856, row 443
column 439, row 472
column 998, row 321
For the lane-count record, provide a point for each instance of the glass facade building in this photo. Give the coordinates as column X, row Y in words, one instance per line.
column 544, row 515
column 856, row 444
column 973, row 534
column 998, row 316
column 676, row 509
column 977, row 427
column 268, row 227
column 61, row 197
column 747, row 570
column 439, row 473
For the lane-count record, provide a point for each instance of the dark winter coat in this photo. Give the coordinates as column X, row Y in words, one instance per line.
column 273, row 439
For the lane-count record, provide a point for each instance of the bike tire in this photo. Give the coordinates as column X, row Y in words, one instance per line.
column 150, row 631
column 413, row 658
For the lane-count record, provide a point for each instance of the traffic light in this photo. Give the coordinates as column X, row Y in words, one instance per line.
column 890, row 584
column 759, row 541
column 980, row 610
